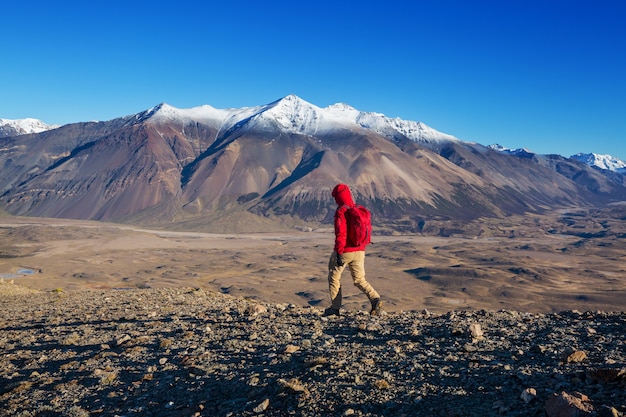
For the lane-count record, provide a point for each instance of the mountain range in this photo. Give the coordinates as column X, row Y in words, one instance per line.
column 23, row 126
column 258, row 168
column 595, row 160
column 602, row 161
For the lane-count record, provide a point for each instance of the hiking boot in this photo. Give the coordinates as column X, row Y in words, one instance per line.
column 377, row 308
column 331, row 312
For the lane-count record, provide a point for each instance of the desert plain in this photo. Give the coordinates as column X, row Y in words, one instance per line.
column 568, row 260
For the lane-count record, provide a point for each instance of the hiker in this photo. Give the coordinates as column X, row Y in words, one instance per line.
column 348, row 253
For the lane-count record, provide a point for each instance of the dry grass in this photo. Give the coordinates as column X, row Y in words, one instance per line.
column 543, row 264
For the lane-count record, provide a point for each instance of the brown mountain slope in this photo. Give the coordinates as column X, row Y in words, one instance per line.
column 150, row 170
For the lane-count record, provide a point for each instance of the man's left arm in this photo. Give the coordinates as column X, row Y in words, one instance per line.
column 341, row 232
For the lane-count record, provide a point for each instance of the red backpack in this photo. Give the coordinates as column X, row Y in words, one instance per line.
column 359, row 221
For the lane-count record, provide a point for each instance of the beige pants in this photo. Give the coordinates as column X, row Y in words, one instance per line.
column 355, row 261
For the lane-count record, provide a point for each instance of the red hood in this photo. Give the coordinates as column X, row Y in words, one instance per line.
column 342, row 195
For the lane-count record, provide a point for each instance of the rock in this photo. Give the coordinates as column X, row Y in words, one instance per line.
column 568, row 405
column 382, row 384
column 291, row 349
column 320, row 361
column 263, row 406
column 575, row 357
column 468, row 347
column 293, row 385
column 606, row 411
column 122, row 339
column 528, row 395
column 217, row 354
column 255, row 309
column 476, row 331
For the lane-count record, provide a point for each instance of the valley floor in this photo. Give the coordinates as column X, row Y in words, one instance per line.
column 528, row 264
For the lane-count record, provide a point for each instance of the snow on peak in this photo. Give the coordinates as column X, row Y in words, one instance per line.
column 498, row 147
column 519, row 152
column 343, row 109
column 295, row 115
column 16, row 127
column 601, row 161
column 165, row 112
column 608, row 162
column 416, row 131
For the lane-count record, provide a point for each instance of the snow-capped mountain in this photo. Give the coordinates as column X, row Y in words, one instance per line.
column 519, row 152
column 607, row 162
column 240, row 168
column 201, row 114
column 299, row 116
column 601, row 161
column 16, row 127
column 295, row 115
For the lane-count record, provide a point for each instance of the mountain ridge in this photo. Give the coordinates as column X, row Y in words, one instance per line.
column 602, row 161
column 296, row 115
column 290, row 109
column 13, row 127
column 278, row 162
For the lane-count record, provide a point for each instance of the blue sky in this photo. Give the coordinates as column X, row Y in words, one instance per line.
column 546, row 75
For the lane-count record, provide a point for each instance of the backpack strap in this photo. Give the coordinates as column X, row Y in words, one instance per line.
column 343, row 209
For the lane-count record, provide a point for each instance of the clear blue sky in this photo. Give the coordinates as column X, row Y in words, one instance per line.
column 549, row 75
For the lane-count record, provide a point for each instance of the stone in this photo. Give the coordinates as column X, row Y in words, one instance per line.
column 262, row 407
column 575, row 357
column 254, row 310
column 606, row 411
column 568, row 405
column 122, row 339
column 291, row 349
column 476, row 331
column 293, row 385
column 468, row 347
column 207, row 356
column 528, row 395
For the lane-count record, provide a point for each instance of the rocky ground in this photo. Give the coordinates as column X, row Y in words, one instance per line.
column 188, row 352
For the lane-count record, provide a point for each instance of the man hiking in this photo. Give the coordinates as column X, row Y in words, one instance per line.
column 352, row 234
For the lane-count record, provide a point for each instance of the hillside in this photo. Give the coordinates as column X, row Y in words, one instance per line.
column 187, row 352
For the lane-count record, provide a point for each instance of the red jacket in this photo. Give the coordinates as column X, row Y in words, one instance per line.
column 343, row 198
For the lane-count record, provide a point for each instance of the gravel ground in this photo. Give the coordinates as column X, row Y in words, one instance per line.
column 187, row 352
